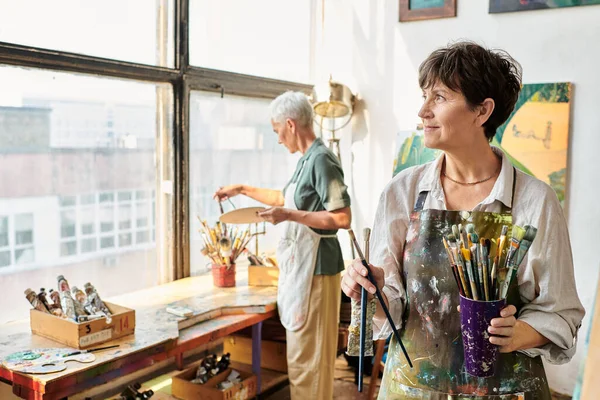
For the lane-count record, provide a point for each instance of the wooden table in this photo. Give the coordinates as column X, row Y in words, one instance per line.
column 159, row 335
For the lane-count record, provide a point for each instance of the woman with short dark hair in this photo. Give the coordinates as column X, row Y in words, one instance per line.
column 468, row 92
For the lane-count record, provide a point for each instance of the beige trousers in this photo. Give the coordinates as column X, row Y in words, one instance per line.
column 311, row 350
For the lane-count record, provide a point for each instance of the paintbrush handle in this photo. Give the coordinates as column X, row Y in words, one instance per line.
column 506, row 283
column 363, row 334
column 386, row 311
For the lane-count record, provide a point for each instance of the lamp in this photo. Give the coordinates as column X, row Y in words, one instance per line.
column 333, row 101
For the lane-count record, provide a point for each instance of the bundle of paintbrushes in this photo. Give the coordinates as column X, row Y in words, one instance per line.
column 475, row 261
column 221, row 245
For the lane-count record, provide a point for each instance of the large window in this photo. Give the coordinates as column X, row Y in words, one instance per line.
column 96, row 122
column 232, row 141
column 128, row 30
column 83, row 204
column 269, row 38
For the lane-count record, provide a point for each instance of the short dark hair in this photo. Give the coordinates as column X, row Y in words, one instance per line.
column 477, row 73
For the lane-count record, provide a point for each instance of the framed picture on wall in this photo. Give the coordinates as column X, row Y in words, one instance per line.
column 415, row 10
column 502, row 6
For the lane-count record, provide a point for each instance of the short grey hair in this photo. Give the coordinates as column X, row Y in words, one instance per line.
column 292, row 105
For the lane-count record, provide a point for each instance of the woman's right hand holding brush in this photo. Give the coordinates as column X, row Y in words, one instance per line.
column 356, row 277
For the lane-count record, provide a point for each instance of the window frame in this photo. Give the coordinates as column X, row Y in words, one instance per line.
column 183, row 78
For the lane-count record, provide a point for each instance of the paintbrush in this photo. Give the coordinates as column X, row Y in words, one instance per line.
column 470, row 228
column 453, row 266
column 517, row 255
column 225, row 246
column 462, row 272
column 363, row 316
column 221, row 209
column 467, row 257
column 475, row 260
column 379, row 295
column 483, row 258
column 530, row 233
column 90, row 350
column 518, row 234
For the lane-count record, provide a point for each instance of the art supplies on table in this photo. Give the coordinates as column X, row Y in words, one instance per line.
column 74, row 353
column 223, row 246
column 69, row 303
column 77, row 317
column 180, row 311
column 45, row 361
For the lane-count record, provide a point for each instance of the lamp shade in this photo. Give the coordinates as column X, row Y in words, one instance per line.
column 333, row 100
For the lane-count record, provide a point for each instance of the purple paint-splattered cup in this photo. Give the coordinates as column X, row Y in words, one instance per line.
column 475, row 317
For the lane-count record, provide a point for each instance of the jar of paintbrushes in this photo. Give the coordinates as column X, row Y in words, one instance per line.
column 476, row 262
column 223, row 246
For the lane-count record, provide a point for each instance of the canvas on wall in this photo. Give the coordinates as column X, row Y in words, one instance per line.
column 535, row 137
column 501, row 6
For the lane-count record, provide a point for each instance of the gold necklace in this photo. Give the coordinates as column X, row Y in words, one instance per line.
column 472, row 183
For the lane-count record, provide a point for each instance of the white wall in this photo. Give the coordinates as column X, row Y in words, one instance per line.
column 367, row 48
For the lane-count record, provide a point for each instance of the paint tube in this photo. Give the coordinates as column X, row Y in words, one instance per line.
column 90, row 290
column 55, row 299
column 42, row 297
column 86, row 318
column 68, row 305
column 57, row 311
column 76, row 295
column 35, row 301
column 94, row 304
column 62, row 283
column 353, row 349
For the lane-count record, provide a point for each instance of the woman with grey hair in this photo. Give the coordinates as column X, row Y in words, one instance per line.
column 311, row 208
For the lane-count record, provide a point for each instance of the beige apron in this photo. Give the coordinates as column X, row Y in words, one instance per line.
column 297, row 257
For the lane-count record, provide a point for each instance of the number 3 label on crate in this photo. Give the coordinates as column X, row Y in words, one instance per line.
column 96, row 337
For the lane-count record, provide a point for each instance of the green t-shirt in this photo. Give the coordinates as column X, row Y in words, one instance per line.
column 320, row 186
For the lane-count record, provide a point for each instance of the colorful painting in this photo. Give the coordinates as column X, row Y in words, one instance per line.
column 501, row 6
column 421, row 4
column 416, row 10
column 535, row 137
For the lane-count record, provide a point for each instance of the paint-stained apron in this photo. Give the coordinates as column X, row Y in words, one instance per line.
column 431, row 322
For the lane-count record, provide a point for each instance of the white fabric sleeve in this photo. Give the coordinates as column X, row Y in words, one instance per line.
column 547, row 286
column 387, row 242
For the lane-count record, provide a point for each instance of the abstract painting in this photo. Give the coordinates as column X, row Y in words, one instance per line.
column 501, row 6
column 535, row 137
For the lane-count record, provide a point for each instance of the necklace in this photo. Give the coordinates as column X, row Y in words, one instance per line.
column 471, row 183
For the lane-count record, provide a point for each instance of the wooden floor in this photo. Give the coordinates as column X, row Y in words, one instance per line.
column 344, row 387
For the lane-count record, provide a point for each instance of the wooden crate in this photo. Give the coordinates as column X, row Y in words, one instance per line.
column 273, row 354
column 85, row 334
column 182, row 388
column 260, row 275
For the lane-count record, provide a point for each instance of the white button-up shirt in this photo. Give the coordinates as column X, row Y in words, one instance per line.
column 545, row 277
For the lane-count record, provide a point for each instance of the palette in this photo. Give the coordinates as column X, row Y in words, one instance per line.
column 44, row 361
column 246, row 215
